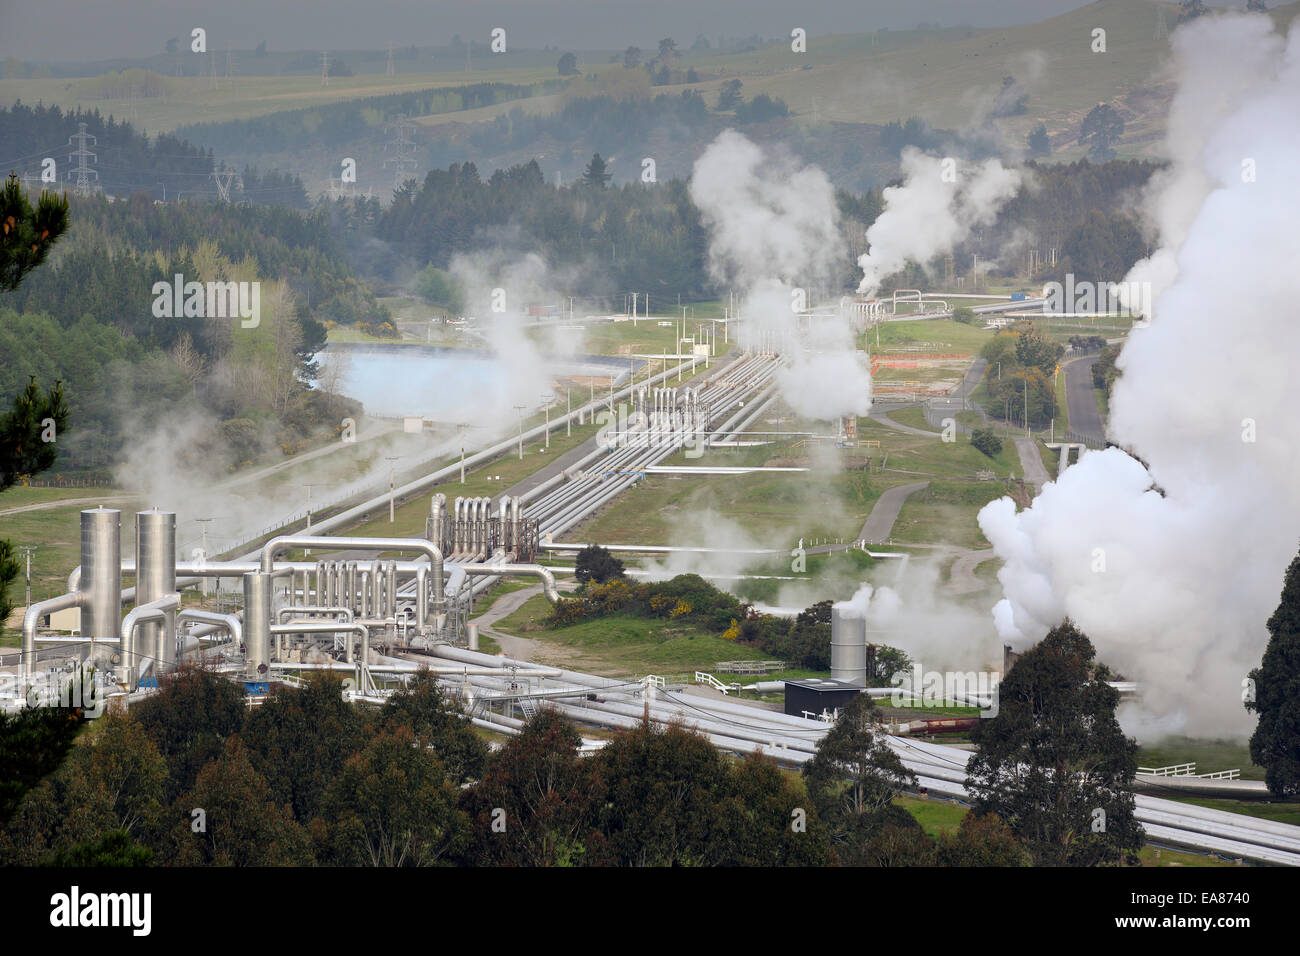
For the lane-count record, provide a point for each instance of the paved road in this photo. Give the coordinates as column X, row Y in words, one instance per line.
column 961, row 577
column 1031, row 463
column 1080, row 401
column 880, row 414
column 880, row 523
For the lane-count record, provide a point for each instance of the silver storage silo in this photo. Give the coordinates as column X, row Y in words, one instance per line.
column 155, row 577
column 101, row 579
column 848, row 646
column 257, row 624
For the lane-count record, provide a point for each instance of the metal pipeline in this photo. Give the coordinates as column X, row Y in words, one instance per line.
column 32, row 618
column 457, row 534
column 346, row 612
column 277, row 546
column 515, row 570
column 228, row 621
column 328, row 627
column 161, row 611
column 421, row 597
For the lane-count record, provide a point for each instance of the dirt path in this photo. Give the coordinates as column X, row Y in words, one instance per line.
column 522, row 648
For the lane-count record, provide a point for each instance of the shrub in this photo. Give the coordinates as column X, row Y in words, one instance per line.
column 986, row 441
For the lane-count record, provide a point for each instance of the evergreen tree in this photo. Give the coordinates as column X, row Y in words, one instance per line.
column 1101, row 129
column 595, row 174
column 568, row 65
column 853, row 779
column 1039, row 144
column 594, row 563
column 27, row 235
column 1275, row 744
column 1054, row 763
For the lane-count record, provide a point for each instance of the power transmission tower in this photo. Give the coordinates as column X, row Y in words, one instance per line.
column 1162, row 29
column 212, row 68
column 82, row 172
column 223, row 179
column 324, row 68
column 403, row 150
column 392, row 70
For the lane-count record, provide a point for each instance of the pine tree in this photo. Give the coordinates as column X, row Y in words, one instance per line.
column 26, row 234
column 595, row 174
column 1275, row 745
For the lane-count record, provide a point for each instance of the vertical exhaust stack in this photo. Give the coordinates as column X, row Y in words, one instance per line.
column 848, row 646
column 257, row 625
column 155, row 577
column 101, row 581
column 437, row 517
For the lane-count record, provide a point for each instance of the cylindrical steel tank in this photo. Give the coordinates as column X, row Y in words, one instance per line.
column 101, row 574
column 155, row 577
column 848, row 646
column 257, row 624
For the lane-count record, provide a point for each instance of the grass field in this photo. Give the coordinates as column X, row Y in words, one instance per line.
column 629, row 646
column 56, row 532
column 1208, row 755
column 193, row 100
column 936, row 335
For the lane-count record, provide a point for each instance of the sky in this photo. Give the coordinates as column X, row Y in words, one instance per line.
column 67, row 30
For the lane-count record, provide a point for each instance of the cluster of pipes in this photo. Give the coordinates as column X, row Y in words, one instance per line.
column 669, row 413
column 470, row 532
column 296, row 613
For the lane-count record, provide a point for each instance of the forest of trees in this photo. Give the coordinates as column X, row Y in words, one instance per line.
column 195, row 777
column 86, row 318
column 337, row 125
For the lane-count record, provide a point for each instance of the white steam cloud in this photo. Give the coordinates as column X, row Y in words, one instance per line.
column 1175, row 589
column 774, row 231
column 934, row 209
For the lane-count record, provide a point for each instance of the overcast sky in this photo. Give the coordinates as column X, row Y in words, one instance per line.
column 106, row 29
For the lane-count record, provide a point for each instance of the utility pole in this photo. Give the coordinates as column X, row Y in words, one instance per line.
column 203, row 549
column 548, row 399
column 307, row 551
column 392, row 462
column 568, row 421
column 519, row 410
column 28, row 550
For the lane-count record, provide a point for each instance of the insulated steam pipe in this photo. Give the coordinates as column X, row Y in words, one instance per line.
column 277, row 546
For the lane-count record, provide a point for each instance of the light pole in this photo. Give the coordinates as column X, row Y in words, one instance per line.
column 392, row 463
column 548, row 399
column 28, row 550
column 519, row 410
column 203, row 551
column 307, row 551
column 568, row 421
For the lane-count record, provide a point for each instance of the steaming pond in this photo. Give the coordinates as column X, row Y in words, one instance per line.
column 445, row 384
